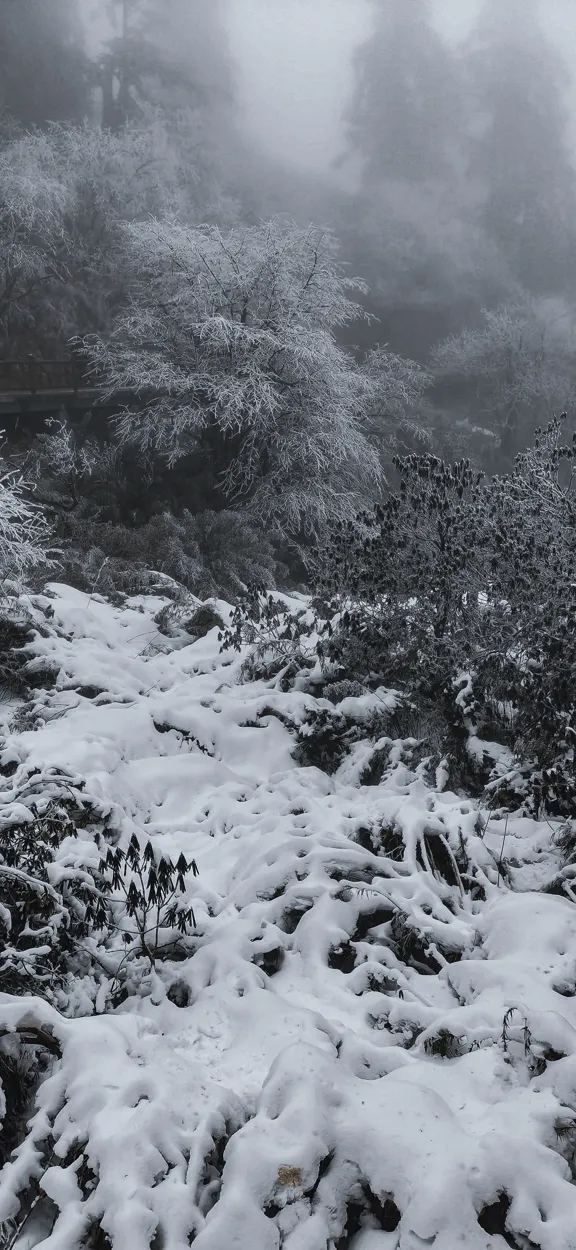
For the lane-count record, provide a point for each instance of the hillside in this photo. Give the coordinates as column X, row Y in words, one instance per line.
column 367, row 1041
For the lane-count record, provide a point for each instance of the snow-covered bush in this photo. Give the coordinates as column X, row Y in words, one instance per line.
column 44, row 913
column 269, row 624
column 65, row 909
column 151, row 888
column 520, row 366
column 211, row 554
column 530, row 534
column 462, row 594
column 406, row 572
column 112, row 538
column 229, row 341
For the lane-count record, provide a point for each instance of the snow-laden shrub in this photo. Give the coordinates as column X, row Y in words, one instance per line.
column 461, row 593
column 270, row 625
column 113, row 537
column 78, row 926
column 44, row 915
column 58, row 889
column 151, row 917
column 464, row 593
column 120, row 559
column 230, row 340
column 399, row 580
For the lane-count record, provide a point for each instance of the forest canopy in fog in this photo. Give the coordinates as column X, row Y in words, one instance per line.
column 289, row 323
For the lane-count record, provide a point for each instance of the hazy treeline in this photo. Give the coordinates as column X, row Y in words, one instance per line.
column 467, row 200
column 455, row 200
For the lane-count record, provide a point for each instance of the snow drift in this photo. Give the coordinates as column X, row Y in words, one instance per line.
column 371, row 1040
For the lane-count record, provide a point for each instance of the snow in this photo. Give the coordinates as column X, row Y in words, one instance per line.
column 364, row 1029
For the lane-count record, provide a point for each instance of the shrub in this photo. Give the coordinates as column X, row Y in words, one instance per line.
column 210, row 554
column 41, row 922
column 462, row 593
column 397, row 582
column 114, row 538
column 48, row 909
column 279, row 638
column 142, row 904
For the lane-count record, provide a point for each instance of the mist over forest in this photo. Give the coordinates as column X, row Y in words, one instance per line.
column 436, row 140
column 285, row 243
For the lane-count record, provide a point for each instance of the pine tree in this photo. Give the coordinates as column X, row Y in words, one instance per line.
column 520, row 157
column 168, row 52
column 44, row 71
column 408, row 229
column 403, row 120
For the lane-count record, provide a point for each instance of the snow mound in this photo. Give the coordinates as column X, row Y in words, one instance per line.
column 371, row 1042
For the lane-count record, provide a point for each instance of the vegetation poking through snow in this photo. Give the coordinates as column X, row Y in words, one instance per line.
column 299, row 966
column 460, row 593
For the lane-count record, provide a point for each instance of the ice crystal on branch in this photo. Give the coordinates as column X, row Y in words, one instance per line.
column 229, row 343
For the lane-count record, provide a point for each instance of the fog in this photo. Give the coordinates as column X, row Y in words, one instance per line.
column 295, row 66
column 435, row 138
column 294, row 61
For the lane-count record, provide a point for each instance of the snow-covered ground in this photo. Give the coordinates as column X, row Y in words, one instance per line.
column 373, row 1043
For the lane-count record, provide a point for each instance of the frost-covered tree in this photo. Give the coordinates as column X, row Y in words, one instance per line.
column 169, row 59
column 64, row 196
column 24, row 529
column 229, row 343
column 519, row 365
column 33, row 205
column 170, row 53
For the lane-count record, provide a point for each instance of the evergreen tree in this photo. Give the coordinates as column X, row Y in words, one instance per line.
column 404, row 117
column 408, row 230
column 44, row 71
column 170, row 53
column 520, row 157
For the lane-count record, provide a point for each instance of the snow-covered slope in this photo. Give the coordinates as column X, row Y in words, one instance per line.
column 373, row 1043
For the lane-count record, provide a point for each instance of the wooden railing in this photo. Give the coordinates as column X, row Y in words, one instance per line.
column 33, row 377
